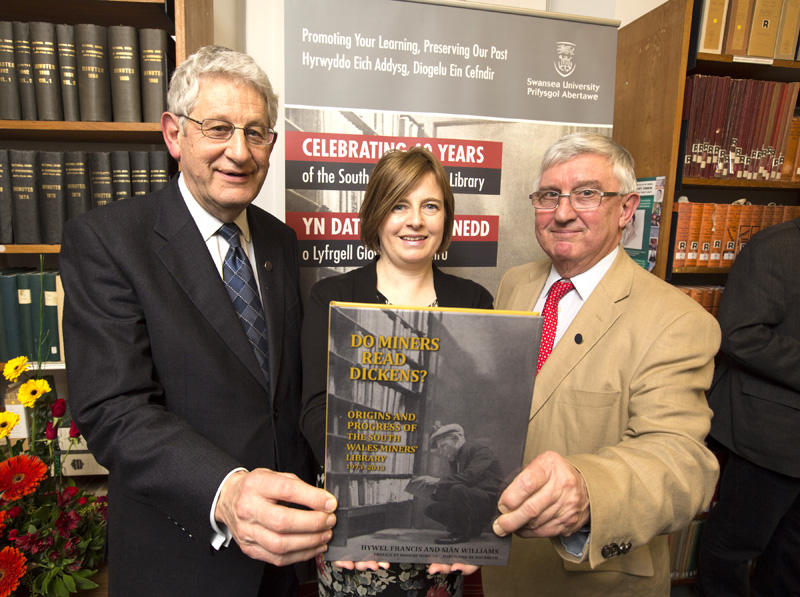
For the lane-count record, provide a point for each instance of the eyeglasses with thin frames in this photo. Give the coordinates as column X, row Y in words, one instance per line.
column 222, row 130
column 579, row 198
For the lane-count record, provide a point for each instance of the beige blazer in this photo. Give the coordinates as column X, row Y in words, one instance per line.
column 622, row 398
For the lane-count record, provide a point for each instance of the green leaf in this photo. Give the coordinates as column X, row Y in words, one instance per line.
column 60, row 588
column 84, row 583
column 69, row 582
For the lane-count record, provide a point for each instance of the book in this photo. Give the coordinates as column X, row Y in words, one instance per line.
column 123, row 64
column 77, row 182
column 60, row 312
column 159, row 169
column 788, row 30
column 120, row 175
column 140, row 173
column 684, row 211
column 5, row 352
column 731, row 235
column 737, row 28
column 9, row 83
column 52, row 195
column 24, row 65
column 153, row 69
column 46, row 78
column 790, row 152
column 44, row 315
column 100, row 176
column 94, row 83
column 764, row 28
column 704, row 235
column 24, row 197
column 745, row 227
column 717, row 234
column 6, row 230
column 10, row 314
column 712, row 26
column 693, row 246
column 68, row 71
column 401, row 397
column 25, row 305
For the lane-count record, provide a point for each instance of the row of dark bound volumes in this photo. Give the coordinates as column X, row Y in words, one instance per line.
column 30, row 305
column 82, row 72
column 40, row 190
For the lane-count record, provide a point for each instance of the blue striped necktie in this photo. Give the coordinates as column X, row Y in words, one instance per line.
column 240, row 282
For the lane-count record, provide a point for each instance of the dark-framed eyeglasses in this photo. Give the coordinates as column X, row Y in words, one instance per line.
column 579, row 198
column 222, row 130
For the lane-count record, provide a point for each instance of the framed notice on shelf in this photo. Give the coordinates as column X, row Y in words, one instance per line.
column 640, row 236
column 428, row 412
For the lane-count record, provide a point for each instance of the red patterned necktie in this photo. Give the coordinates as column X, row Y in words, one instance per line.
column 550, row 312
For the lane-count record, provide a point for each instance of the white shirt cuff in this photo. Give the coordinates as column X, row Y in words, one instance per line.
column 220, row 534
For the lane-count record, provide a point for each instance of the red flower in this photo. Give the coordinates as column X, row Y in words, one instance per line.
column 67, row 495
column 73, row 431
column 12, row 568
column 437, row 592
column 66, row 522
column 59, row 407
column 50, row 431
column 14, row 511
column 21, row 475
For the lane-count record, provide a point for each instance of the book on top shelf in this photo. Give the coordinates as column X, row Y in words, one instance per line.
column 9, row 82
column 24, row 66
column 788, row 30
column 764, row 28
column 410, row 428
column 737, row 27
column 712, row 26
column 68, row 71
column 45, row 71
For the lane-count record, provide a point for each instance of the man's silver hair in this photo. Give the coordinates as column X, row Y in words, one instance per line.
column 217, row 61
column 579, row 144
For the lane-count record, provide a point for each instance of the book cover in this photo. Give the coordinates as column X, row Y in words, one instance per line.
column 737, row 29
column 45, row 71
column 717, row 234
column 52, row 195
column 712, row 26
column 788, row 29
column 123, row 63
column 120, row 175
column 10, row 314
column 60, row 313
column 407, row 405
column 704, row 237
column 5, row 353
column 100, row 175
column 693, row 244
column 153, row 69
column 68, row 71
column 24, row 64
column 77, row 182
column 9, row 83
column 6, row 230
column 684, row 211
column 24, row 196
column 94, row 82
column 764, row 28
column 140, row 173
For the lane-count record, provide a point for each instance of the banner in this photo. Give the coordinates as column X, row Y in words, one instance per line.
column 486, row 91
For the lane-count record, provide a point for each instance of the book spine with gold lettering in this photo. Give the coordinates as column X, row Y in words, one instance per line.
column 68, row 71
column 120, row 175
column 94, row 84
column 24, row 63
column 100, row 174
column 52, row 195
column 78, row 185
column 159, row 169
column 123, row 63
column 140, row 173
column 6, row 231
column 9, row 83
column 153, row 65
column 24, row 192
column 45, row 71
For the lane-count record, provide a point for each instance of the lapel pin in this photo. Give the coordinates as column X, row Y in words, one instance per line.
column 268, row 266
column 578, row 339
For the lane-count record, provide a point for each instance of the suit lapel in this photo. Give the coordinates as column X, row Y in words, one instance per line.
column 593, row 321
column 186, row 257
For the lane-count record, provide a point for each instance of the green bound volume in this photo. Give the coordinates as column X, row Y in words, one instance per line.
column 10, row 313
column 25, row 304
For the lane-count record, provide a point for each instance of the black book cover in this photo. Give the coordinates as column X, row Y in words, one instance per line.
column 140, row 173
column 121, row 174
column 6, row 234
column 24, row 201
column 68, row 71
column 24, row 63
column 415, row 453
column 52, row 195
column 46, row 78
column 123, row 61
column 159, row 169
column 100, row 174
column 94, row 83
column 9, row 84
column 76, row 179
column 153, row 52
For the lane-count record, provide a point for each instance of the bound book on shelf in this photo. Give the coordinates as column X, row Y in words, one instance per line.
column 712, row 26
column 123, row 53
column 100, row 174
column 764, row 28
column 94, row 83
column 6, row 230
column 153, row 68
column 68, row 71
column 76, row 178
column 24, row 197
column 411, row 437
column 737, row 27
column 45, row 71
column 159, row 169
column 24, row 65
column 9, row 83
column 120, row 174
column 140, row 173
column 52, row 195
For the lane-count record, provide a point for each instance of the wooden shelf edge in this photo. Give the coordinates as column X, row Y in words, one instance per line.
column 738, row 182
column 700, row 270
column 21, row 249
column 758, row 60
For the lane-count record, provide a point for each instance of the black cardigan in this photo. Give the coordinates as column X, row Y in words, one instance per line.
column 358, row 286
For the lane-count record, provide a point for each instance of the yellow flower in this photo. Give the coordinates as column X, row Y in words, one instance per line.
column 14, row 368
column 8, row 421
column 32, row 390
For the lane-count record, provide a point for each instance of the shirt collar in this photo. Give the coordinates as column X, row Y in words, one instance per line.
column 586, row 282
column 206, row 223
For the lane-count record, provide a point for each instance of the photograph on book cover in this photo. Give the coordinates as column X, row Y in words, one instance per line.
column 640, row 236
column 428, row 412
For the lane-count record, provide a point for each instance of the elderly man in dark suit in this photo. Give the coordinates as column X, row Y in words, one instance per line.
column 755, row 397
column 184, row 359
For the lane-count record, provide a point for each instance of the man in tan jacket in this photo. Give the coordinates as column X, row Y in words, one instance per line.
column 614, row 458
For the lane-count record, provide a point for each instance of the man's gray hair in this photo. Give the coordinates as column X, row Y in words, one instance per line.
column 184, row 88
column 579, row 144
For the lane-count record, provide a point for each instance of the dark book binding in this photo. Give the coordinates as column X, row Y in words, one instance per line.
column 25, row 303
column 159, row 169
column 77, row 183
column 120, row 175
column 45, row 71
column 44, row 315
column 123, row 62
column 9, row 84
column 100, row 174
column 24, row 192
column 140, row 173
column 94, row 83
column 153, row 52
column 52, row 195
column 68, row 71
column 24, row 63
column 10, row 313
column 6, row 230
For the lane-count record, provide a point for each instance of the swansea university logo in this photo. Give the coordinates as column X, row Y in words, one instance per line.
column 565, row 65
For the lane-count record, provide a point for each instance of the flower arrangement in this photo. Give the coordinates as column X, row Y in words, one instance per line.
column 52, row 534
